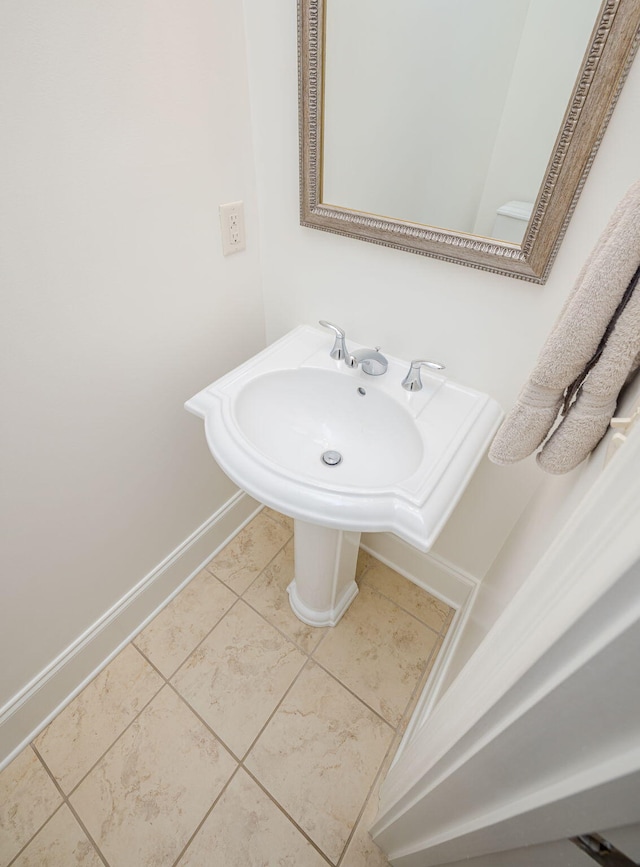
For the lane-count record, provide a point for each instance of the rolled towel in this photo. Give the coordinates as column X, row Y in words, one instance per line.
column 575, row 337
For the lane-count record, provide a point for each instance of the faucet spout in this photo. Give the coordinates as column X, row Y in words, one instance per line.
column 372, row 361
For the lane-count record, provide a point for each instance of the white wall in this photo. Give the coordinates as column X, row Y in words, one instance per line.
column 488, row 329
column 122, row 130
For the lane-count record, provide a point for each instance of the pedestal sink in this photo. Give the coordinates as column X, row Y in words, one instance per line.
column 343, row 452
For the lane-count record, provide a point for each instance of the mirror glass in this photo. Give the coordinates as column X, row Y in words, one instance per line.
column 445, row 113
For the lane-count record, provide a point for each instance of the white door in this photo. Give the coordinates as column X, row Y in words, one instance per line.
column 538, row 738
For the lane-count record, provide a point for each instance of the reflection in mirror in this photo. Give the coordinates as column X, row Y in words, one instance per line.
column 459, row 129
column 446, row 113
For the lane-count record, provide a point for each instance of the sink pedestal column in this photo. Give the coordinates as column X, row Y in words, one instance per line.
column 324, row 582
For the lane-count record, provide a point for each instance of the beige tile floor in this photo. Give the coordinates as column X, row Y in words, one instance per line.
column 228, row 733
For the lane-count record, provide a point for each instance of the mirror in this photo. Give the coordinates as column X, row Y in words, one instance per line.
column 460, row 129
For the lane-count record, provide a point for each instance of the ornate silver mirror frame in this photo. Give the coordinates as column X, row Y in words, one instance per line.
column 607, row 61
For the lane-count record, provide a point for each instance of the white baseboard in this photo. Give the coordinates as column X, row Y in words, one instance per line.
column 429, row 571
column 30, row 710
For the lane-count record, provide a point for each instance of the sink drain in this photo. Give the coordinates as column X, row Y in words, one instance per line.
column 331, row 458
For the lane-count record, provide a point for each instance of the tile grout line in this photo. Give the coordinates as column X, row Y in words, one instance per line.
column 280, row 631
column 99, row 851
column 33, row 836
column 322, row 639
column 200, row 643
column 402, row 608
column 266, row 565
column 202, row 720
column 353, row 694
column 274, row 711
column 286, row 815
column 70, row 807
column 365, row 803
column 73, row 790
column 183, row 698
column 445, row 625
column 241, row 764
column 153, row 665
column 439, row 599
column 205, row 817
column 360, row 699
column 394, row 731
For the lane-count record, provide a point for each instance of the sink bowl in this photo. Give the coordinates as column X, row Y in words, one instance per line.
column 312, row 412
column 405, row 457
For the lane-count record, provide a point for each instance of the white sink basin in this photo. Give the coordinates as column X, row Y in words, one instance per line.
column 313, row 411
column 406, row 456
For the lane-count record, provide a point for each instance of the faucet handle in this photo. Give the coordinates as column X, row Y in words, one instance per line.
column 412, row 381
column 339, row 350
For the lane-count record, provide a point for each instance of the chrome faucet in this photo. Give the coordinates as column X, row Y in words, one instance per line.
column 412, row 381
column 371, row 360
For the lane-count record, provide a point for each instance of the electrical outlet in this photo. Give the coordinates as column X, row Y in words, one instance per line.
column 232, row 227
